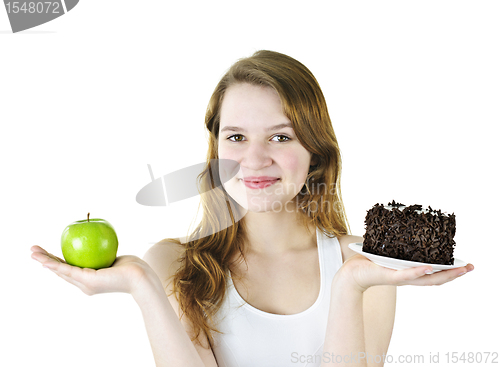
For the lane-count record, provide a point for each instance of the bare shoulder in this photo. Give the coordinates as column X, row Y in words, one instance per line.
column 163, row 257
column 344, row 245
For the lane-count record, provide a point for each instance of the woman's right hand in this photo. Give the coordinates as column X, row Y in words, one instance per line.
column 125, row 275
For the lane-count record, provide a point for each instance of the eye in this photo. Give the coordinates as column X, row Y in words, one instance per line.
column 282, row 136
column 232, row 136
column 238, row 137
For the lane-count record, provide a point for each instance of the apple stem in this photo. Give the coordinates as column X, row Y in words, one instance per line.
column 88, row 217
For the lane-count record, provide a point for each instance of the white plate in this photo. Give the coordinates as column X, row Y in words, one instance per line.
column 398, row 264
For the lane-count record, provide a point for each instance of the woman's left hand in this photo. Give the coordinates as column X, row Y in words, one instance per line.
column 363, row 273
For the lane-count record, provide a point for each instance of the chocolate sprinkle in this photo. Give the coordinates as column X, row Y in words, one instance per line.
column 410, row 233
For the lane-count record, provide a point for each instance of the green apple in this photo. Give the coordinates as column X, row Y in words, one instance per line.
column 90, row 243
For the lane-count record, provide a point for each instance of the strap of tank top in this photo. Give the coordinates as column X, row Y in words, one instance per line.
column 332, row 255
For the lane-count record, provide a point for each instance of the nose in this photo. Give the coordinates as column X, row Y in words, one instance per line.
column 256, row 157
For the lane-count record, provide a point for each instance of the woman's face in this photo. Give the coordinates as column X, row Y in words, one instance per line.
column 254, row 132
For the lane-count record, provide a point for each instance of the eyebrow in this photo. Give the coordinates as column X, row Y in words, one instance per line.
column 275, row 127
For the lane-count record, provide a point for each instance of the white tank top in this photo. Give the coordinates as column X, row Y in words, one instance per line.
column 255, row 338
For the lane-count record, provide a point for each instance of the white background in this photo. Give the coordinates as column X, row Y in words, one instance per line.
column 88, row 100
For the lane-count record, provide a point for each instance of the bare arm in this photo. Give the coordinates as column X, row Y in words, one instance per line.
column 344, row 340
column 170, row 343
column 363, row 304
column 379, row 311
column 169, row 334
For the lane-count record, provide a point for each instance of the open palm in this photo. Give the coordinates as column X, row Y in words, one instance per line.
column 123, row 276
column 364, row 273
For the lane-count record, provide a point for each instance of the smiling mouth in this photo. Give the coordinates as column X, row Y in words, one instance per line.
column 257, row 181
column 260, row 184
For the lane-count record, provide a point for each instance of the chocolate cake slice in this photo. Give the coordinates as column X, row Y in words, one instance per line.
column 410, row 233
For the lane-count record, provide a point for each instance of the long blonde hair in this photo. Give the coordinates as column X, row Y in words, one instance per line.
column 200, row 282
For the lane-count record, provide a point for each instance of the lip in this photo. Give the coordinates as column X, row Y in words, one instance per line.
column 260, row 178
column 260, row 182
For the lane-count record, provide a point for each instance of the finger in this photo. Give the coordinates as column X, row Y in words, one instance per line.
column 65, row 269
column 45, row 256
column 73, row 281
column 440, row 277
column 58, row 258
column 40, row 257
column 81, row 277
column 36, row 248
column 406, row 276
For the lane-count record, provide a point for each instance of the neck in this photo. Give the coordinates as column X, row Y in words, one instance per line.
column 275, row 233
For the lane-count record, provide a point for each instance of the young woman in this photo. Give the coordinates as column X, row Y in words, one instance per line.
column 267, row 278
